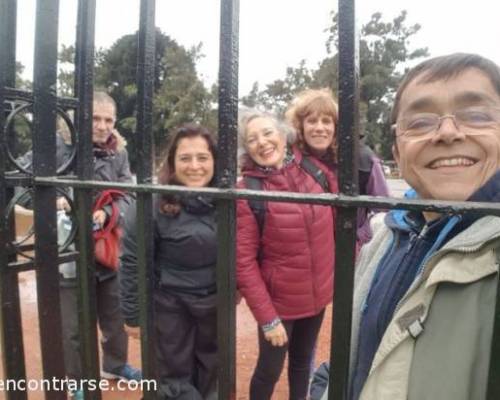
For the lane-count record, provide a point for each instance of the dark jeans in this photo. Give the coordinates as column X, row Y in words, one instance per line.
column 302, row 335
column 114, row 340
column 186, row 335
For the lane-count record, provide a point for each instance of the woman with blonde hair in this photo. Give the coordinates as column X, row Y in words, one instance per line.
column 314, row 115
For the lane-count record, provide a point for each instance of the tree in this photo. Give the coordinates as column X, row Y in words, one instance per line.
column 21, row 83
column 278, row 94
column 179, row 95
column 384, row 51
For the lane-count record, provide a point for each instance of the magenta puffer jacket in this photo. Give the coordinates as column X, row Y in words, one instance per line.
column 293, row 277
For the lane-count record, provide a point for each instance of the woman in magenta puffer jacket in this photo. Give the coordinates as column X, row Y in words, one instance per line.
column 285, row 257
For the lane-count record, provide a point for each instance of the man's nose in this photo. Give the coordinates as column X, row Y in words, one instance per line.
column 100, row 124
column 448, row 130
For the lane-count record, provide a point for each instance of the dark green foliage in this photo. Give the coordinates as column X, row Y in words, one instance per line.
column 384, row 51
column 20, row 82
column 179, row 95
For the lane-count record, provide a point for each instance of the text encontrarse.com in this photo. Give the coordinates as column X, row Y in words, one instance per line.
column 55, row 384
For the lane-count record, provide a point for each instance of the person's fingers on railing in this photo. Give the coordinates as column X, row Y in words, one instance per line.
column 99, row 217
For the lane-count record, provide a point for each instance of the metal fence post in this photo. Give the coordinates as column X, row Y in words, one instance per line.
column 44, row 164
column 348, row 184
column 10, row 311
column 145, row 85
column 84, row 75
column 226, row 209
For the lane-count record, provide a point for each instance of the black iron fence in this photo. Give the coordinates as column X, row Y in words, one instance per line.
column 42, row 184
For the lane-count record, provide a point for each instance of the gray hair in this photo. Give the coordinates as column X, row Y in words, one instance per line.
column 248, row 115
column 101, row 97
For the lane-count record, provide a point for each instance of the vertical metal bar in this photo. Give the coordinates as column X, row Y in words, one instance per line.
column 44, row 164
column 346, row 217
column 493, row 392
column 226, row 209
column 145, row 85
column 11, row 339
column 85, row 170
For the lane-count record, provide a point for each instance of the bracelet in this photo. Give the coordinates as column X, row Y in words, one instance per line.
column 271, row 325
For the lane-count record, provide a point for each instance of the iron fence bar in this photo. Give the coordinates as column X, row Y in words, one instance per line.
column 21, row 266
column 21, row 248
column 226, row 209
column 44, row 164
column 12, row 181
column 84, row 75
column 346, row 222
column 442, row 206
column 10, row 313
column 29, row 265
column 145, row 86
column 27, row 96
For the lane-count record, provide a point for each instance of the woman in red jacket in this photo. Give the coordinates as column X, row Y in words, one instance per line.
column 313, row 114
column 285, row 256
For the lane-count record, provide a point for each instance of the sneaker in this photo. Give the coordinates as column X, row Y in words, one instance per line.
column 125, row 373
column 76, row 395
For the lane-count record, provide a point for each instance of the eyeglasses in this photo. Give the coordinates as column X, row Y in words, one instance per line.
column 469, row 120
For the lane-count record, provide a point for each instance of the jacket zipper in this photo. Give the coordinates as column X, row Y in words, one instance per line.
column 413, row 240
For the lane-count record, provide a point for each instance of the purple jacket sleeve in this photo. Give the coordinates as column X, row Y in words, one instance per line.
column 376, row 186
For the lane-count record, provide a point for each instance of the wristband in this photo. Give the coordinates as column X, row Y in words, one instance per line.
column 271, row 325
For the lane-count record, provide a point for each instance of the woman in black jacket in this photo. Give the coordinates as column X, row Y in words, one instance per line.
column 184, row 265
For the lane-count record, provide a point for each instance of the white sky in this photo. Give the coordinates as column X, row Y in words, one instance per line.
column 275, row 34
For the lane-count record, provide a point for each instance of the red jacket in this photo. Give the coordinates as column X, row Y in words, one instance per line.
column 295, row 277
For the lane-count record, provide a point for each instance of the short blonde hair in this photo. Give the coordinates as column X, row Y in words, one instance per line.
column 320, row 101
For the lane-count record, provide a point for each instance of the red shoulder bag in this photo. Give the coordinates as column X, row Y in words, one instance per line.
column 107, row 239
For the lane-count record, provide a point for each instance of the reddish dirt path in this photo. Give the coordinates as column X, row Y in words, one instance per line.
column 246, row 347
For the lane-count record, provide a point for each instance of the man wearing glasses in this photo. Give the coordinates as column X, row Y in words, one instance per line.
column 426, row 284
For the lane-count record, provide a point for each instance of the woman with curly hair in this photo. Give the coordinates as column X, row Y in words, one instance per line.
column 314, row 115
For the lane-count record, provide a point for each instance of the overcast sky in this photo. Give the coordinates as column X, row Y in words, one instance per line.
column 275, row 34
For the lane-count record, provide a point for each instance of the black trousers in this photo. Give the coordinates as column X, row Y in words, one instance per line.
column 186, row 336
column 114, row 340
column 302, row 336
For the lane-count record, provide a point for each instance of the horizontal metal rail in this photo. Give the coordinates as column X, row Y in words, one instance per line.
column 28, row 265
column 13, row 94
column 338, row 200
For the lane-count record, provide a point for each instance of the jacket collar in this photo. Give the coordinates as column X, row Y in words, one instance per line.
column 404, row 220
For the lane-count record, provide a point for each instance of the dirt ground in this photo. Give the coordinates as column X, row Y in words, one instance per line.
column 246, row 347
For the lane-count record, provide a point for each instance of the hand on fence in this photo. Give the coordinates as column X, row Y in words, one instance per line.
column 99, row 217
column 277, row 336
